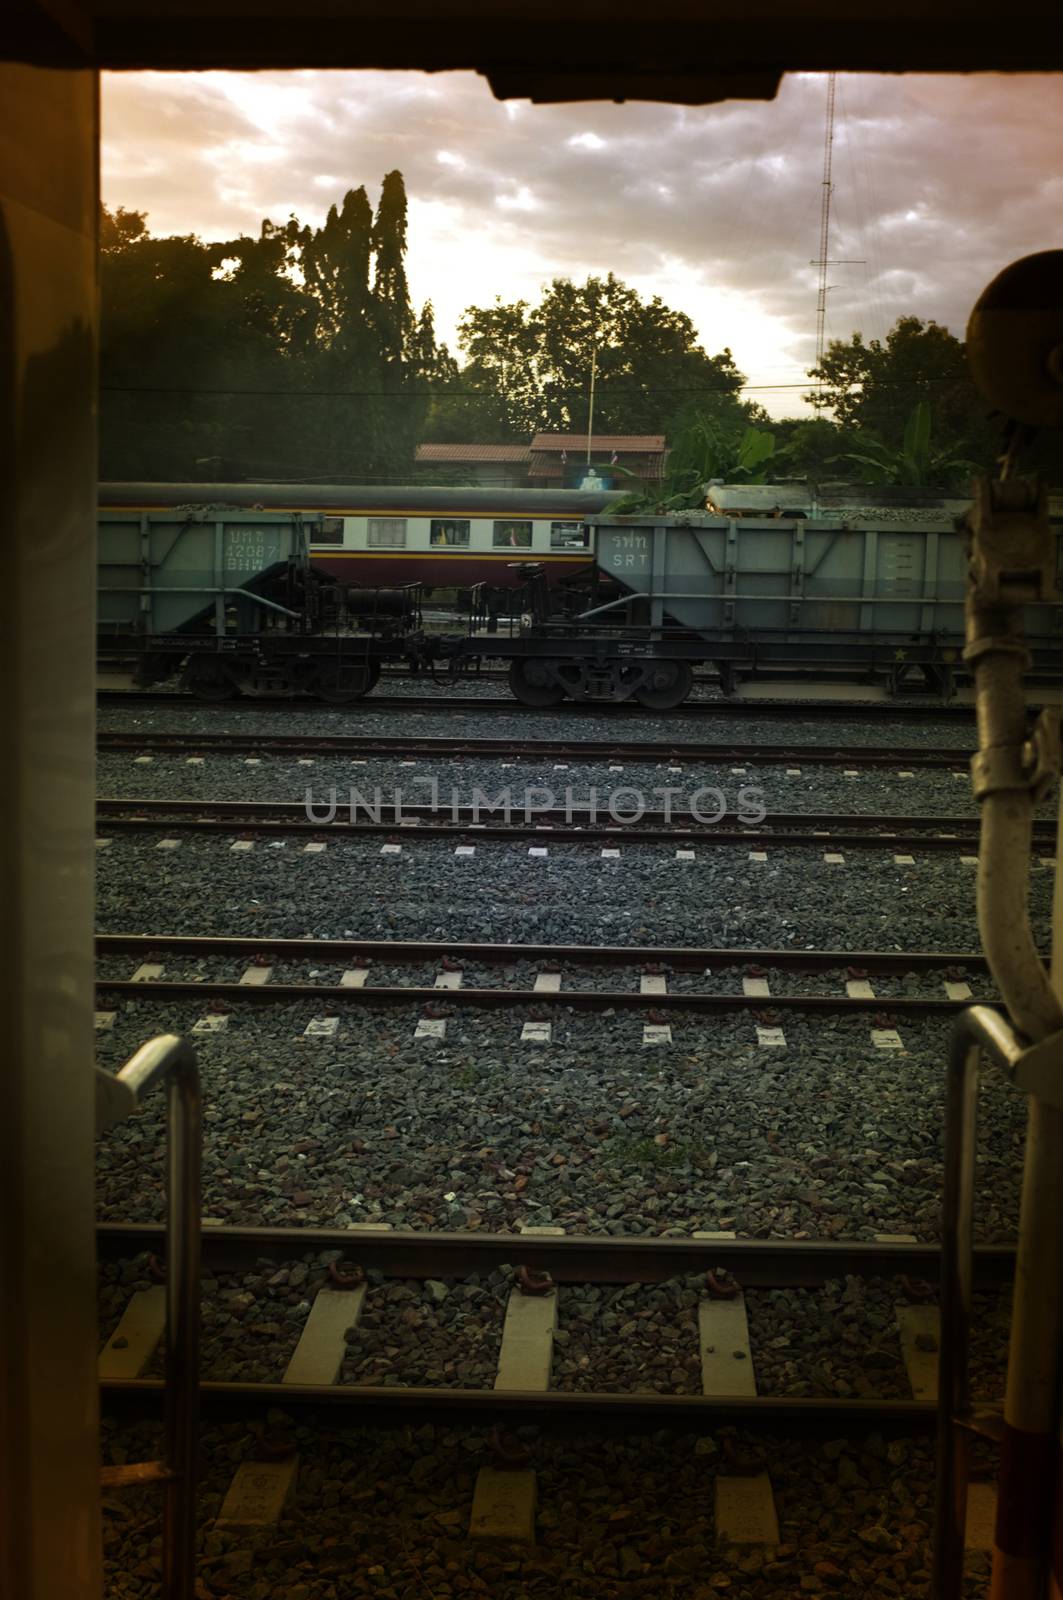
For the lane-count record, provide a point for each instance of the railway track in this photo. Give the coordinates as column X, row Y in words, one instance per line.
column 560, row 825
column 405, row 952
column 648, row 971
column 544, row 1269
column 827, row 710
column 530, row 750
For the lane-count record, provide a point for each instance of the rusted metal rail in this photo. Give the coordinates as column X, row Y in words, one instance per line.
column 780, row 830
column 531, row 750
column 722, row 710
column 403, row 952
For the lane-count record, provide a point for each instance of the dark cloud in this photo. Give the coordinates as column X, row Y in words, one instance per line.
column 939, row 182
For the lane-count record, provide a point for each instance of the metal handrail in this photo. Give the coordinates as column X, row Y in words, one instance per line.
column 171, row 1060
column 976, row 1029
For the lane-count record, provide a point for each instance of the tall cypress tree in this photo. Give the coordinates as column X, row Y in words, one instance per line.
column 406, row 348
column 391, row 293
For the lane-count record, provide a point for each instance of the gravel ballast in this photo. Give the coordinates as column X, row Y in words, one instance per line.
column 805, row 728
column 440, row 1332
column 386, row 780
column 571, row 896
column 828, row 1136
column 386, row 1514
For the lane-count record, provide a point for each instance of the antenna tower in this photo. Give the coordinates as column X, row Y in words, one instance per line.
column 824, row 221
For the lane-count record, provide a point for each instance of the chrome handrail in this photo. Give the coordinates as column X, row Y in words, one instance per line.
column 171, row 1060
column 976, row 1029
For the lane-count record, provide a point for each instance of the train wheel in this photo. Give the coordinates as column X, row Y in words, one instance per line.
column 669, row 684
column 352, row 680
column 532, row 684
column 212, row 684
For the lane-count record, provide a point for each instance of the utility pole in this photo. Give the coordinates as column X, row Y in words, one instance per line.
column 590, row 408
column 824, row 219
column 823, row 261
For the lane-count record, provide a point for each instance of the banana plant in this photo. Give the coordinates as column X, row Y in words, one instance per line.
column 916, row 464
column 704, row 450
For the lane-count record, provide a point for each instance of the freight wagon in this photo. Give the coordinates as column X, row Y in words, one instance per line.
column 231, row 600
column 865, row 598
column 776, row 590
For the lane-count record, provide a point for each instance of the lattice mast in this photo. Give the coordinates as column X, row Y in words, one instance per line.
column 824, row 221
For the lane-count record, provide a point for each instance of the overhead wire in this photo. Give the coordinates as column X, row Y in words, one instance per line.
column 465, row 394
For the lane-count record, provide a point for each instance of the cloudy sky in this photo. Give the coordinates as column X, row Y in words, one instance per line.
column 939, row 182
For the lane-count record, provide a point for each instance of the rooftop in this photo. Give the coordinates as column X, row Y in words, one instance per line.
column 472, row 452
column 627, row 443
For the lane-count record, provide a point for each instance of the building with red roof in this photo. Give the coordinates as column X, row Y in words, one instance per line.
column 552, row 461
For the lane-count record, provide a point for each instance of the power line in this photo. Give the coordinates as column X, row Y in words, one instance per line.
column 428, row 394
column 479, row 394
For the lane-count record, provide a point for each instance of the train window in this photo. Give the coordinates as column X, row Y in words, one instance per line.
column 513, row 535
column 330, row 531
column 386, row 532
column 445, row 530
column 569, row 536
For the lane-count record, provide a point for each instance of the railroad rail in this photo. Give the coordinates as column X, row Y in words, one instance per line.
column 443, row 1001
column 403, row 952
column 567, row 1260
column 653, row 1000
column 530, row 750
column 558, row 824
column 827, row 710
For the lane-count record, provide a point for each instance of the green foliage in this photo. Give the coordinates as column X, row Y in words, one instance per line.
column 916, row 463
column 297, row 354
column 872, row 388
column 630, row 1152
column 809, row 447
column 706, row 449
column 528, row 367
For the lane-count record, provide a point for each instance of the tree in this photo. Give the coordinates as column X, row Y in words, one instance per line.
column 297, row 354
column 528, row 367
column 872, row 388
column 810, row 447
column 392, row 312
column 119, row 228
column 178, row 337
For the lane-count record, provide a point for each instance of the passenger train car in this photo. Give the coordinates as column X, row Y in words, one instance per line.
column 440, row 538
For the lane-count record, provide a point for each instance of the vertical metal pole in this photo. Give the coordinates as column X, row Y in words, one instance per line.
column 590, row 407
column 1055, row 1586
column 978, row 1028
column 184, row 1208
column 1022, row 1538
column 957, row 1256
column 1027, row 1470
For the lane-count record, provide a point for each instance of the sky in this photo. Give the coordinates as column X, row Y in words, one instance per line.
column 938, row 183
